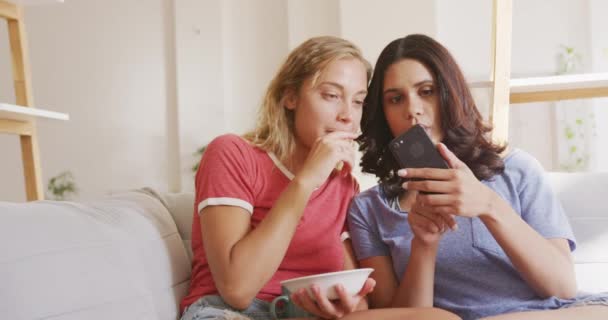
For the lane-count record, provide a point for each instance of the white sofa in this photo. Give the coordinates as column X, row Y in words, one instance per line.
column 127, row 256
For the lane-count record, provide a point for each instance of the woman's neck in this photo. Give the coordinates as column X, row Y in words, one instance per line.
column 296, row 160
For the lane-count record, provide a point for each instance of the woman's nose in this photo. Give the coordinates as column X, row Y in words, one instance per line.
column 414, row 109
column 346, row 113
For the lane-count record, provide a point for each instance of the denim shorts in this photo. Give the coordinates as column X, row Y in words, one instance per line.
column 214, row 307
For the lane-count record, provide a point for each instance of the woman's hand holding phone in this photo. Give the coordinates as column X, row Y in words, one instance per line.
column 450, row 191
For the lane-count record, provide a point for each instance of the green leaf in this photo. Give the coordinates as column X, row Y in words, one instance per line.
column 569, row 133
column 579, row 121
column 573, row 149
column 199, row 153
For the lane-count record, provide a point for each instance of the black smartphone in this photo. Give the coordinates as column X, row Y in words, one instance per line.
column 414, row 149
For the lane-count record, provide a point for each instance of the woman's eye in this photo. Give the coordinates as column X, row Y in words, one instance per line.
column 426, row 92
column 395, row 99
column 330, row 96
column 358, row 102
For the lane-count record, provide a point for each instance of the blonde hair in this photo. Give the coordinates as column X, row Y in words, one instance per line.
column 274, row 130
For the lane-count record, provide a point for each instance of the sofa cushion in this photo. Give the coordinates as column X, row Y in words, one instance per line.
column 181, row 207
column 116, row 258
column 581, row 195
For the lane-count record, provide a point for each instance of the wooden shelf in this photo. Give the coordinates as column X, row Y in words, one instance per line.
column 19, row 113
column 563, row 87
column 552, row 88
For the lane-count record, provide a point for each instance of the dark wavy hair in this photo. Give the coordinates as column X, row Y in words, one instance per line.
column 465, row 133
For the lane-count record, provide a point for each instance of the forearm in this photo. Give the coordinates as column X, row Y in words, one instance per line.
column 255, row 258
column 351, row 263
column 416, row 287
column 547, row 269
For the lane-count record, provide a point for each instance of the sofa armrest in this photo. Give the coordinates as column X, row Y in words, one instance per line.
column 581, row 195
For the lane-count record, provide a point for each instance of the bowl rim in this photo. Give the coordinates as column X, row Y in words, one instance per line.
column 326, row 274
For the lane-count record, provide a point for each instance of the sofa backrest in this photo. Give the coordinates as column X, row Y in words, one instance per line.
column 181, row 207
column 116, row 258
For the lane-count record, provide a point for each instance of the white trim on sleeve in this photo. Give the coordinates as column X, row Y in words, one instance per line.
column 225, row 201
column 345, row 235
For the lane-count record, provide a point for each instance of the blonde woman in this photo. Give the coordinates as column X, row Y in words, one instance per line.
column 271, row 205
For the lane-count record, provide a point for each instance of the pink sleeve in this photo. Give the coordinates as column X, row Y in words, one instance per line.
column 225, row 174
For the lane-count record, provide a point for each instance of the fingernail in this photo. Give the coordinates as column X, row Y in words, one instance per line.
column 402, row 172
column 404, row 185
column 455, row 227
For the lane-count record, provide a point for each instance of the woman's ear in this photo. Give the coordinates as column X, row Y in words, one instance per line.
column 290, row 99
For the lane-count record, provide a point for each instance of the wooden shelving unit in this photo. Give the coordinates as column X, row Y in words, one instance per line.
column 552, row 88
column 20, row 119
column 506, row 91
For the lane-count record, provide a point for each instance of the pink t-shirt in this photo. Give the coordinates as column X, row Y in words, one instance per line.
column 233, row 172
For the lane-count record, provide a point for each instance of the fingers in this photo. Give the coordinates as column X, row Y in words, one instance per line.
column 367, row 288
column 346, row 135
column 428, row 174
column 449, row 156
column 429, row 222
column 449, row 220
column 349, row 303
column 436, row 200
column 337, row 147
column 327, row 308
column 346, row 156
column 303, row 299
column 432, row 186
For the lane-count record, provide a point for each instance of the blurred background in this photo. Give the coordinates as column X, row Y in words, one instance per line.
column 148, row 83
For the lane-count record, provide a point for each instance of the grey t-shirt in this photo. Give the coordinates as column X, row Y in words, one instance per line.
column 473, row 277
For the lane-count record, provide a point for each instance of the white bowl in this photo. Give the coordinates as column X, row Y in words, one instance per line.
column 352, row 280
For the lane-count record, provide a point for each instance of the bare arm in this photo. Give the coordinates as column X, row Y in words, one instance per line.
column 351, row 263
column 231, row 247
column 386, row 281
column 531, row 254
column 416, row 287
column 242, row 260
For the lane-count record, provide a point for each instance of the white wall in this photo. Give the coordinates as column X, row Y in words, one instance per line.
column 310, row 18
column 372, row 25
column 101, row 62
column 255, row 43
column 227, row 53
column 200, row 81
column 106, row 63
